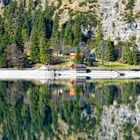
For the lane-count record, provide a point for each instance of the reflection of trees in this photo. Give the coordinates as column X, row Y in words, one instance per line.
column 14, row 92
column 107, row 94
column 41, row 116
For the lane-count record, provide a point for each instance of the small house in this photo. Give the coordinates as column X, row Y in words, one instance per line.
column 73, row 52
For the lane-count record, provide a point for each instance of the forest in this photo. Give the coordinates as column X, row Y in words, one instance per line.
column 28, row 36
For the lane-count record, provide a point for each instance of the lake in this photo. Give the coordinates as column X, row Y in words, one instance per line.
column 61, row 110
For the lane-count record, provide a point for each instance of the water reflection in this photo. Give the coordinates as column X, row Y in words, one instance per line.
column 69, row 110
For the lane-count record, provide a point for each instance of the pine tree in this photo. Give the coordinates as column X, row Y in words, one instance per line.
column 44, row 51
column 34, row 48
column 55, row 32
column 110, row 51
column 30, row 5
column 18, row 37
column 77, row 33
column 78, row 56
column 68, row 36
column 100, row 46
column 26, row 29
column 135, row 56
column 3, row 62
column 128, row 55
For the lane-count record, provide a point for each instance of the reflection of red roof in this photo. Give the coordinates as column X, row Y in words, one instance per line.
column 73, row 81
column 72, row 92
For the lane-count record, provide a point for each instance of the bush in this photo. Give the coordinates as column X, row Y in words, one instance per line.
column 82, row 4
column 92, row 1
column 3, row 62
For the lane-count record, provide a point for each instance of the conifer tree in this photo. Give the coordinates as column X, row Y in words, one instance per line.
column 18, row 38
column 3, row 62
column 68, row 37
column 34, row 47
column 78, row 56
column 110, row 51
column 128, row 55
column 77, row 33
column 44, row 51
column 135, row 56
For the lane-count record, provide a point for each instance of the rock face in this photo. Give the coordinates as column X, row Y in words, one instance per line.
column 115, row 20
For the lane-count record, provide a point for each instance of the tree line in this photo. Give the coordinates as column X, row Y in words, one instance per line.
column 125, row 52
column 28, row 36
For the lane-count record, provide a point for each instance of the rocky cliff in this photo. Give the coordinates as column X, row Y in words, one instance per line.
column 120, row 19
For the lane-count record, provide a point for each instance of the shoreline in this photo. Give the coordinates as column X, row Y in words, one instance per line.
column 65, row 74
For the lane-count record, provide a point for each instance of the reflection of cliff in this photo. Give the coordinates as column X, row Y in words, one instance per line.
column 120, row 122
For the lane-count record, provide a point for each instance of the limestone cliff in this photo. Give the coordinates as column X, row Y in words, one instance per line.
column 120, row 20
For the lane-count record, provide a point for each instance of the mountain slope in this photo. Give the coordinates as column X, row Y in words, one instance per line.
column 112, row 27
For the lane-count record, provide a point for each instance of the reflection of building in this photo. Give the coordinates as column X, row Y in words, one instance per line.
column 81, row 68
column 78, row 87
column 72, row 92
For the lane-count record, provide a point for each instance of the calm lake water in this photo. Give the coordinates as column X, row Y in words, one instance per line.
column 68, row 110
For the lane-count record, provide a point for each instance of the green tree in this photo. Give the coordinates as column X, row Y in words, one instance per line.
column 34, row 47
column 18, row 37
column 44, row 51
column 100, row 46
column 3, row 62
column 77, row 33
column 26, row 28
column 135, row 56
column 78, row 56
column 129, row 56
column 110, row 51
column 68, row 36
column 11, row 22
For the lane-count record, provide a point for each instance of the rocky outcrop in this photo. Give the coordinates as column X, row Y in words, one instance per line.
column 116, row 21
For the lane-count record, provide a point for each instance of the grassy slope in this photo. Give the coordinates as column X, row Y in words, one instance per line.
column 115, row 65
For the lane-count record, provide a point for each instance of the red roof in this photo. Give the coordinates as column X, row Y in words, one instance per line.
column 78, row 65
